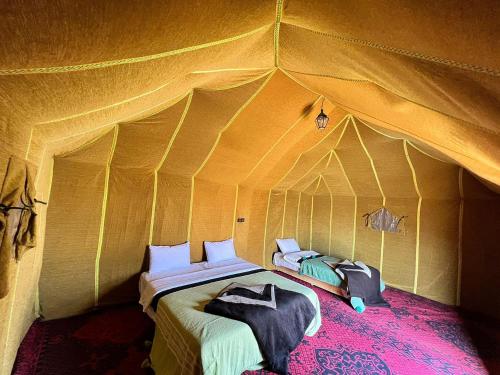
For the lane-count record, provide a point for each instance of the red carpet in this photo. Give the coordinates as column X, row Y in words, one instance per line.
column 110, row 341
column 414, row 336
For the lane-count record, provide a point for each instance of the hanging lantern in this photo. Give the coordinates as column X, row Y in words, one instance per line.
column 322, row 119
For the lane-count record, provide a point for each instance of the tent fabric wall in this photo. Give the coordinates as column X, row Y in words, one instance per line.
column 212, row 215
column 479, row 247
column 76, row 193
column 370, row 170
column 252, row 206
column 289, row 225
column 245, row 81
column 274, row 220
column 320, row 223
column 304, row 221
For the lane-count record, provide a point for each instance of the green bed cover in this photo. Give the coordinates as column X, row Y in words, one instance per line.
column 318, row 270
column 193, row 341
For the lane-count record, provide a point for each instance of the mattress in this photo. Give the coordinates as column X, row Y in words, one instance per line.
column 280, row 261
column 314, row 268
column 188, row 340
column 147, row 281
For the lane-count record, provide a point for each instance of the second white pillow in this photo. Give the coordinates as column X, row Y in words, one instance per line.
column 287, row 245
column 218, row 251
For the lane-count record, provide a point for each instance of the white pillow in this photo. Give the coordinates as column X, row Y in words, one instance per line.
column 287, row 245
column 220, row 250
column 166, row 258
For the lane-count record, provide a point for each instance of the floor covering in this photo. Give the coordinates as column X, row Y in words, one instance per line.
column 414, row 336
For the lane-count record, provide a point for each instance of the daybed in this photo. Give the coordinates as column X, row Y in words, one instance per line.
column 311, row 267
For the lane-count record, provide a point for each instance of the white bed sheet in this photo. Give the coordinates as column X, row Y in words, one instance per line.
column 280, row 261
column 152, row 284
column 290, row 260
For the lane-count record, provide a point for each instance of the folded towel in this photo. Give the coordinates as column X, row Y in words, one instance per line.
column 261, row 294
column 277, row 330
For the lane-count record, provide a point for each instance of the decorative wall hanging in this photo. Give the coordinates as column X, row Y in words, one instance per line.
column 383, row 220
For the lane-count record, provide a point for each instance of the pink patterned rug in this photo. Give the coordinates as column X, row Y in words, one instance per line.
column 413, row 336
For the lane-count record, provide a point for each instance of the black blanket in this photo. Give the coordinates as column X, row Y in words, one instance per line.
column 278, row 330
column 363, row 286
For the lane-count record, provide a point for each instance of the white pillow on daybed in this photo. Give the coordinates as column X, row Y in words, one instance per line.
column 218, row 251
column 166, row 258
column 287, row 245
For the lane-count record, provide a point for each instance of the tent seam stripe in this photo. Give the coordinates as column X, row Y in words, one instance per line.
column 164, row 157
column 278, row 141
column 235, row 116
column 355, row 200
column 277, row 25
column 404, row 52
column 176, row 131
column 131, row 99
column 37, row 178
column 399, row 138
column 372, row 163
column 331, row 203
column 311, row 222
column 190, row 217
column 28, row 149
column 466, row 122
column 284, row 213
column 103, row 216
column 310, row 184
column 403, row 131
column 239, row 84
column 130, row 60
column 116, row 104
column 309, row 171
column 47, row 199
column 312, row 207
column 431, row 143
column 319, row 181
column 297, row 218
column 419, row 208
column 306, row 151
column 223, row 70
column 376, row 130
column 235, row 209
column 84, row 145
column 153, row 208
column 126, row 119
column 331, row 214
column 265, row 229
column 172, row 102
column 425, row 153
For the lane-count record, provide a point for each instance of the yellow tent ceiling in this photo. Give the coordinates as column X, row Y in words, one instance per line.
column 429, row 71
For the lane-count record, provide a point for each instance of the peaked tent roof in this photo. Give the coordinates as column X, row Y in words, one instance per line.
column 428, row 71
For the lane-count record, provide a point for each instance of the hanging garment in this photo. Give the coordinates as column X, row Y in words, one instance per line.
column 17, row 217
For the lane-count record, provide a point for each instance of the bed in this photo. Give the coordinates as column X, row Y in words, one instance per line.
column 315, row 271
column 311, row 267
column 293, row 269
column 188, row 340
